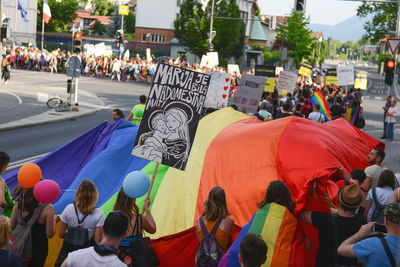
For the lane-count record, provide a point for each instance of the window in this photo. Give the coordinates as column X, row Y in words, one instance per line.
column 143, row 37
column 158, row 38
column 178, row 2
column 244, row 16
column 86, row 23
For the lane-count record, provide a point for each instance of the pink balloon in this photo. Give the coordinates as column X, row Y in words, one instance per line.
column 46, row 191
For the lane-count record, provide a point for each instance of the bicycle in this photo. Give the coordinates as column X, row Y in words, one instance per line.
column 58, row 104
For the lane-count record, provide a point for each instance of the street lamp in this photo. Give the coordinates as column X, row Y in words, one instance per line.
column 211, row 36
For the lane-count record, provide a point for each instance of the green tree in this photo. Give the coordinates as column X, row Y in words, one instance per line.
column 297, row 36
column 62, row 13
column 98, row 28
column 192, row 26
column 383, row 20
column 229, row 38
column 130, row 21
column 103, row 7
column 115, row 25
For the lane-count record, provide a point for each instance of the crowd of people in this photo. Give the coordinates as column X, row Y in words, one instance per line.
column 365, row 227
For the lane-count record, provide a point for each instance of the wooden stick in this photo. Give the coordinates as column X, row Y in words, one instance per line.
column 151, row 184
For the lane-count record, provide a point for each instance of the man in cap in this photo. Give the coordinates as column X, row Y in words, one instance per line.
column 376, row 251
column 106, row 252
column 334, row 228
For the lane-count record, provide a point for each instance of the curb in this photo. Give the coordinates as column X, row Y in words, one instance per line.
column 7, row 128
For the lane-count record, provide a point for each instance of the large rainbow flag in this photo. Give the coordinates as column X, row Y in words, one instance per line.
column 282, row 233
column 319, row 98
column 231, row 150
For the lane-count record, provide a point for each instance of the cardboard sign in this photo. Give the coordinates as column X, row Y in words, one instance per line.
column 233, row 68
column 361, row 80
column 249, row 93
column 331, row 77
column 270, row 85
column 218, row 92
column 265, row 71
column 306, row 69
column 345, row 75
column 287, row 81
column 171, row 116
column 123, row 10
column 212, row 59
column 203, row 62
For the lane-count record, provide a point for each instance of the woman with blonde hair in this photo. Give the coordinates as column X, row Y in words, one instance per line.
column 214, row 221
column 137, row 224
column 83, row 213
column 28, row 211
column 7, row 258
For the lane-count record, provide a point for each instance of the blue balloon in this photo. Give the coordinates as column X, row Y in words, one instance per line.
column 136, row 184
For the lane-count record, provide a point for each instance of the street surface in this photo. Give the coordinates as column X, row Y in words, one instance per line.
column 27, row 93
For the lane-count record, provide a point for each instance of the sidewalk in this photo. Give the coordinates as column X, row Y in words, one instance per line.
column 89, row 103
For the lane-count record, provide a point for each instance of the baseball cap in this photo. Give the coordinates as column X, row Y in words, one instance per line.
column 392, row 213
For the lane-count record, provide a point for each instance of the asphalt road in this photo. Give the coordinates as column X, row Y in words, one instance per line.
column 28, row 142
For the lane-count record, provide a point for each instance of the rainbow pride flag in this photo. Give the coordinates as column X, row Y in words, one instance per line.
column 280, row 230
column 352, row 114
column 319, row 98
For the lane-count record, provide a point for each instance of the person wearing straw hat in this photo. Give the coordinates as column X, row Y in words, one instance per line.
column 377, row 251
column 335, row 228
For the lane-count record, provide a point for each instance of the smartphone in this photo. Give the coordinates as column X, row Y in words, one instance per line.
column 380, row 228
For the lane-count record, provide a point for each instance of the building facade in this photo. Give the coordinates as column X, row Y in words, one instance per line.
column 22, row 30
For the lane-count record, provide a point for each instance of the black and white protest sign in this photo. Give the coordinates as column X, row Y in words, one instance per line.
column 265, row 71
column 171, row 116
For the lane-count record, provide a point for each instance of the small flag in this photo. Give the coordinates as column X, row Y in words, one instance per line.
column 318, row 98
column 46, row 12
column 24, row 12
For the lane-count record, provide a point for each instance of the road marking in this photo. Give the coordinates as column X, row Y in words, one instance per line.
column 19, row 99
column 19, row 163
column 42, row 97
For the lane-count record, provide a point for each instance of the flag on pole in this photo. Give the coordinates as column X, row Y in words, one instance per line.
column 46, row 12
column 24, row 12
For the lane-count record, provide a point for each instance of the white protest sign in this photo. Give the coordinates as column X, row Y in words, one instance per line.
column 203, row 62
column 286, row 81
column 233, row 68
column 148, row 55
column 345, row 75
column 212, row 59
column 218, row 90
column 249, row 93
column 100, row 49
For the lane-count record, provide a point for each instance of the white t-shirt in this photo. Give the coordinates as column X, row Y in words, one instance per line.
column 384, row 195
column 374, row 171
column 89, row 257
column 316, row 116
column 93, row 220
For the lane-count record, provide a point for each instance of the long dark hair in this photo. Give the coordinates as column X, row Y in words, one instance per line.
column 387, row 178
column 4, row 160
column 279, row 193
column 26, row 199
column 215, row 206
column 126, row 204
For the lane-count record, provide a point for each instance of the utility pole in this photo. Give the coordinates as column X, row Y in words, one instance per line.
column 15, row 23
column 210, row 45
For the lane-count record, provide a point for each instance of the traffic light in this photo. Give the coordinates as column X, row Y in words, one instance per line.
column 389, row 70
column 299, row 6
column 120, row 40
column 77, row 42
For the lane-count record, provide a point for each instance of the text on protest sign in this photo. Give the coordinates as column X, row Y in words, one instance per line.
column 265, row 71
column 331, row 77
column 171, row 116
column 249, row 92
column 345, row 75
column 286, row 81
column 270, row 85
column 218, row 91
column 361, row 80
column 306, row 69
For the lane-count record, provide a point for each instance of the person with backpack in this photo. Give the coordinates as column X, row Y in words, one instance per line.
column 214, row 229
column 33, row 223
column 105, row 253
column 137, row 224
column 378, row 197
column 81, row 221
column 333, row 229
column 6, row 201
column 7, row 258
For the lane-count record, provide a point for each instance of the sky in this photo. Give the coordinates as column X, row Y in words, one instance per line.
column 328, row 12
